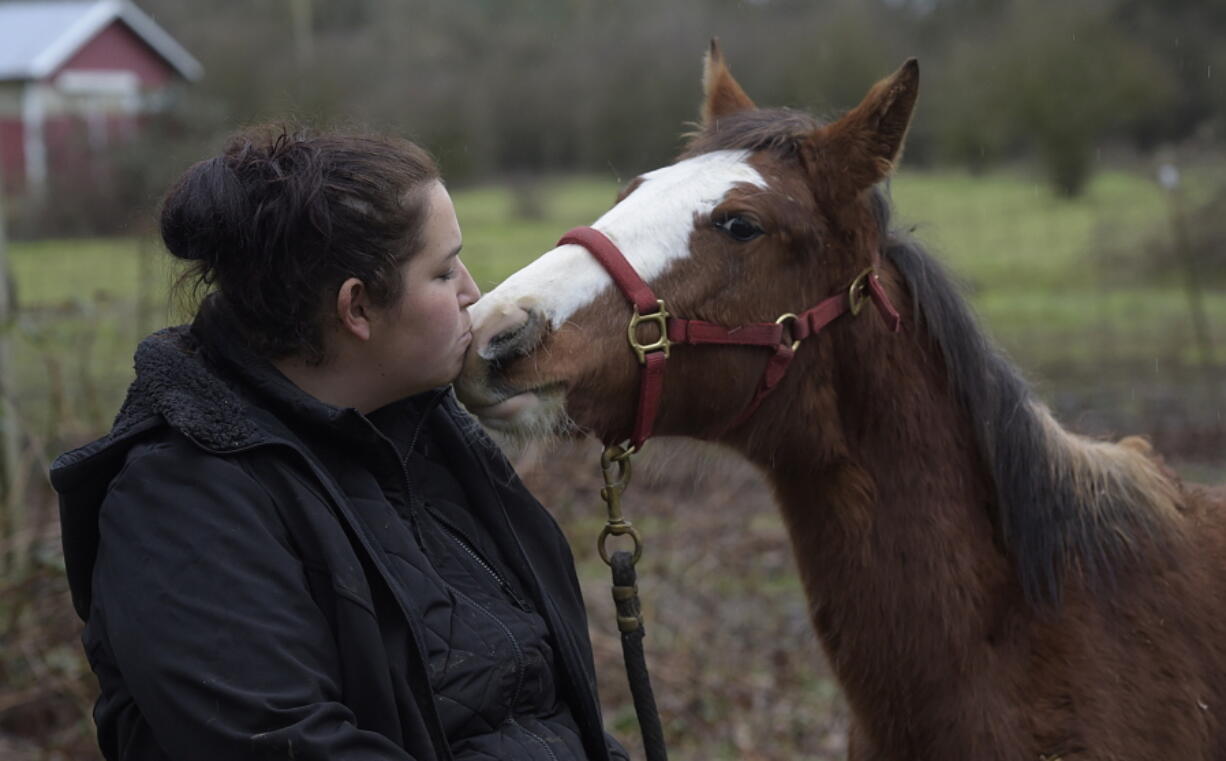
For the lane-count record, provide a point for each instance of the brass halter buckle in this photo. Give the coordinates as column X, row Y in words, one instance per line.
column 857, row 293
column 659, row 317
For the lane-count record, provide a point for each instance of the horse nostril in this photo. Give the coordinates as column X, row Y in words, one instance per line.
column 499, row 343
column 514, row 341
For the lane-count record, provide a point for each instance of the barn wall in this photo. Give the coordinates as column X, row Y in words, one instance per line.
column 10, row 100
column 94, row 102
column 12, row 155
column 118, row 48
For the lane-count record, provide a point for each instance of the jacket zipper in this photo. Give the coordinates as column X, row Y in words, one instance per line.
column 473, row 554
column 403, row 460
column 454, row 533
column 588, row 712
column 469, row 550
column 519, row 653
column 502, row 583
column 544, row 743
column 519, row 670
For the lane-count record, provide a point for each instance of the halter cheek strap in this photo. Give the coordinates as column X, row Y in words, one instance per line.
column 611, row 258
column 675, row 330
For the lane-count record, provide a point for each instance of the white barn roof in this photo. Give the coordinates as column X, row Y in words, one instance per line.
column 36, row 38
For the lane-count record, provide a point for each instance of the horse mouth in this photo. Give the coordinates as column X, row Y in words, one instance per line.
column 515, row 410
column 507, row 408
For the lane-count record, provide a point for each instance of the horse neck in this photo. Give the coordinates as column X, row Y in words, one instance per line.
column 888, row 524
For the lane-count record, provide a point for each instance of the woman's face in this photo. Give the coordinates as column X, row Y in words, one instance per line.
column 419, row 343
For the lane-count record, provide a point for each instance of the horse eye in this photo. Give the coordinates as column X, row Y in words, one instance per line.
column 739, row 228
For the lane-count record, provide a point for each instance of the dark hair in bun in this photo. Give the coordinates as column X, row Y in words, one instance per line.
column 281, row 218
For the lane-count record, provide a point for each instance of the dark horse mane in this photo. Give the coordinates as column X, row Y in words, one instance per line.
column 1063, row 502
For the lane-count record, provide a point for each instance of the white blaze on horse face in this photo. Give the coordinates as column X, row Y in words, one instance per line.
column 651, row 226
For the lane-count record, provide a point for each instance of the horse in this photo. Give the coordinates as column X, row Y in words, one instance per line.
column 985, row 584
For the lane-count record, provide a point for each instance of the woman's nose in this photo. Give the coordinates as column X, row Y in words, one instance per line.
column 469, row 292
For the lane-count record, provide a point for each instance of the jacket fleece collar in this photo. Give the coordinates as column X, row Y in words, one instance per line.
column 199, row 378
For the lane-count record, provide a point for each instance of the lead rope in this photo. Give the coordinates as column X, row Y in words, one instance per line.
column 615, row 467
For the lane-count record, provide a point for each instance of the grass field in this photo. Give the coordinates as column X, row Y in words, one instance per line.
column 1002, row 233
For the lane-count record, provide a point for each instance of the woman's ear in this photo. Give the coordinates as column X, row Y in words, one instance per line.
column 353, row 309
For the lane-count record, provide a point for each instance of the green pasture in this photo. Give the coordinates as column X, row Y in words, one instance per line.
column 998, row 232
column 1025, row 255
column 1052, row 278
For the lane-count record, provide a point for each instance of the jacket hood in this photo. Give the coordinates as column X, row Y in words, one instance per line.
column 174, row 386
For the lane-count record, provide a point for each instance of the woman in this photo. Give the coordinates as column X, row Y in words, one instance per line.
column 293, row 543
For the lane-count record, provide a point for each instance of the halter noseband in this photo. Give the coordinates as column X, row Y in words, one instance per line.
column 674, row 330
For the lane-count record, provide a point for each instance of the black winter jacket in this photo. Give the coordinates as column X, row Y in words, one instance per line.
column 263, row 591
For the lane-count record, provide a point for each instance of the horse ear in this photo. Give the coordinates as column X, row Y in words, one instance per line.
column 721, row 93
column 867, row 142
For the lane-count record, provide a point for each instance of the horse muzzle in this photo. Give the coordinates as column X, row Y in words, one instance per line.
column 487, row 386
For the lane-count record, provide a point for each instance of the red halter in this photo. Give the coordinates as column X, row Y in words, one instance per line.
column 674, row 330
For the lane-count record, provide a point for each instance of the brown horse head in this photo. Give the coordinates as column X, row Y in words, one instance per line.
column 767, row 212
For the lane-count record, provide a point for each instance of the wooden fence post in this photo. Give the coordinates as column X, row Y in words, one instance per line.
column 1168, row 177
column 14, row 519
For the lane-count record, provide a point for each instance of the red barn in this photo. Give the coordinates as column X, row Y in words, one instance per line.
column 77, row 76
